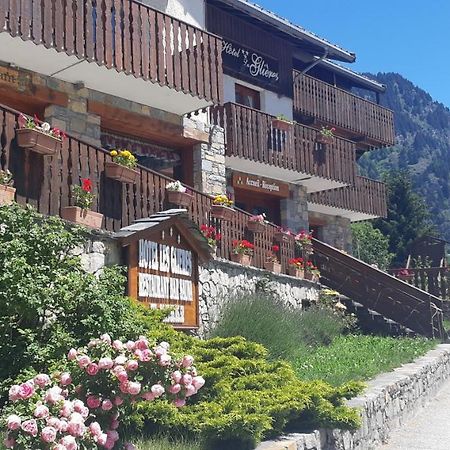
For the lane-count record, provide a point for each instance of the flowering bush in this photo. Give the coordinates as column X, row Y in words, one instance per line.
column 272, row 255
column 124, row 158
column 222, row 200
column 44, row 127
column 82, row 195
column 6, row 178
column 176, row 186
column 243, row 247
column 329, row 132
column 211, row 234
column 298, row 263
column 260, row 218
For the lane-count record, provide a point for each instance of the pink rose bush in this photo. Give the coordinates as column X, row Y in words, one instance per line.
column 83, row 409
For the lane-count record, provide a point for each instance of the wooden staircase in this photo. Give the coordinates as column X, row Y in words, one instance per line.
column 378, row 291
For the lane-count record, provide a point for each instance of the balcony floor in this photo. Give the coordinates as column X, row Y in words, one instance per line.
column 354, row 216
column 38, row 58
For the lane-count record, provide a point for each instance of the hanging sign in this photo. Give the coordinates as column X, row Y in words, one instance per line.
column 259, row 184
column 243, row 61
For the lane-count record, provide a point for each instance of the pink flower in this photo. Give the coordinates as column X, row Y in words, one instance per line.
column 42, row 380
column 63, row 425
column 129, row 446
column 132, row 364
column 106, row 338
column 148, row 396
column 48, row 434
column 190, row 390
column 66, row 409
column 134, row 388
column 13, row 422
column 165, row 360
column 175, row 388
column 105, row 363
column 76, row 426
column 130, row 345
column 176, row 376
column 122, row 376
column 198, row 382
column 95, row 429
column 114, row 424
column 53, row 395
column 83, row 361
column 72, row 354
column 117, row 345
column 120, row 360
column 144, row 355
column 113, row 435
column 157, row 390
column 9, row 442
column 118, row 400
column 30, row 427
column 124, row 387
column 69, row 443
column 179, row 402
column 92, row 369
column 54, row 422
column 186, row 379
column 26, row 390
column 109, row 444
column 93, row 401
column 142, row 343
column 59, row 447
column 65, row 379
column 159, row 351
column 41, row 412
column 107, row 405
column 14, row 393
column 187, row 361
column 165, row 345
column 102, row 438
column 78, row 406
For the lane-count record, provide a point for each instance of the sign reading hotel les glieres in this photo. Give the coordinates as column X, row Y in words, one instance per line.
column 241, row 60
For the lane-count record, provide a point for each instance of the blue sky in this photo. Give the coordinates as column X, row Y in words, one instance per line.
column 410, row 37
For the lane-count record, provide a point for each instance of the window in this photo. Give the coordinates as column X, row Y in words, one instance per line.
column 247, row 97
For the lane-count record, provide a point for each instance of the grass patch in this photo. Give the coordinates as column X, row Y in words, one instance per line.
column 358, row 357
column 162, row 443
column 446, row 324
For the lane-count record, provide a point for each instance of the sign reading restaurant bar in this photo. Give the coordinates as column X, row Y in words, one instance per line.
column 163, row 270
column 259, row 184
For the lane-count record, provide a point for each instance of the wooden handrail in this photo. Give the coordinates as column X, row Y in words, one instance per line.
column 124, row 35
column 340, row 108
column 376, row 290
column 252, row 134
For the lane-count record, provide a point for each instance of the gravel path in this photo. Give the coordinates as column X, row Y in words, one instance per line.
column 428, row 430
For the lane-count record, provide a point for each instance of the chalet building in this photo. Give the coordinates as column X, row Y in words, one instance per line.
column 219, row 94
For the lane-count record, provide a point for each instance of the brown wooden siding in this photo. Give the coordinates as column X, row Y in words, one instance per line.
column 126, row 36
column 365, row 196
column 250, row 134
column 242, row 32
column 336, row 107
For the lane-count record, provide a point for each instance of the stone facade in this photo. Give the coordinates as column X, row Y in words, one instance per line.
column 294, row 210
column 334, row 230
column 220, row 280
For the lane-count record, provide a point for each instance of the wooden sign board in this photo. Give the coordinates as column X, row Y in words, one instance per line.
column 163, row 268
column 262, row 185
column 9, row 77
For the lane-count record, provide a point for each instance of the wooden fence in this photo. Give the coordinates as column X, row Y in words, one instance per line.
column 124, row 35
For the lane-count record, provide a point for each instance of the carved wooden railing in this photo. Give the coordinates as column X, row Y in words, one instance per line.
column 124, row 35
column 251, row 134
column 45, row 183
column 376, row 290
column 342, row 109
column 365, row 196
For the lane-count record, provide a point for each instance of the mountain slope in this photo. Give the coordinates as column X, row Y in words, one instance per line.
column 423, row 145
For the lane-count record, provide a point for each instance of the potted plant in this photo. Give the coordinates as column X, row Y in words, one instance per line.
column 325, row 136
column 312, row 273
column 122, row 167
column 281, row 122
column 296, row 267
column 212, row 236
column 222, row 208
column 405, row 275
column 179, row 194
column 6, row 190
column 282, row 234
column 272, row 264
column 257, row 223
column 81, row 213
column 303, row 241
column 38, row 136
column 242, row 252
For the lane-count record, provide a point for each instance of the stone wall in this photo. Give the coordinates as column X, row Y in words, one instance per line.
column 334, row 230
column 389, row 400
column 220, row 280
column 294, row 210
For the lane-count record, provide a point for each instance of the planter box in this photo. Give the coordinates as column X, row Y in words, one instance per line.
column 121, row 173
column 325, row 140
column 37, row 141
column 279, row 236
column 183, row 199
column 282, row 125
column 85, row 217
column 213, row 251
column 406, row 278
column 272, row 266
column 245, row 260
column 222, row 212
column 256, row 227
column 311, row 277
column 297, row 273
column 6, row 195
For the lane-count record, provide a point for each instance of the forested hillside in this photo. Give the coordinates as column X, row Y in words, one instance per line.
column 423, row 145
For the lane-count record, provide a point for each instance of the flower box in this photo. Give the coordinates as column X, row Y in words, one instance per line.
column 37, row 141
column 256, row 227
column 121, row 173
column 280, row 236
column 222, row 212
column 84, row 217
column 6, row 194
column 245, row 260
column 323, row 139
column 407, row 278
column 282, row 125
column 295, row 272
column 178, row 198
column 272, row 266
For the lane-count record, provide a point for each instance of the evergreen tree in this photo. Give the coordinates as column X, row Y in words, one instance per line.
column 408, row 218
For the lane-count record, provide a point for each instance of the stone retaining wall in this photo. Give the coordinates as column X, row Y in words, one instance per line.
column 389, row 400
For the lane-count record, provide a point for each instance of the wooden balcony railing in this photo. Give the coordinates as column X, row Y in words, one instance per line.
column 251, row 134
column 124, row 35
column 45, row 183
column 373, row 123
column 365, row 196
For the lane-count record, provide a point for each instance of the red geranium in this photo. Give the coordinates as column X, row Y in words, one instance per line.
column 275, row 248
column 86, row 184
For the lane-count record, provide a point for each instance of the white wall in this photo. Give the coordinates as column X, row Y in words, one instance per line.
column 271, row 103
column 191, row 11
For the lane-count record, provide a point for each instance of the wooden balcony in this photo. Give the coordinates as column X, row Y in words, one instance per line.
column 155, row 50
column 366, row 199
column 369, row 124
column 256, row 144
